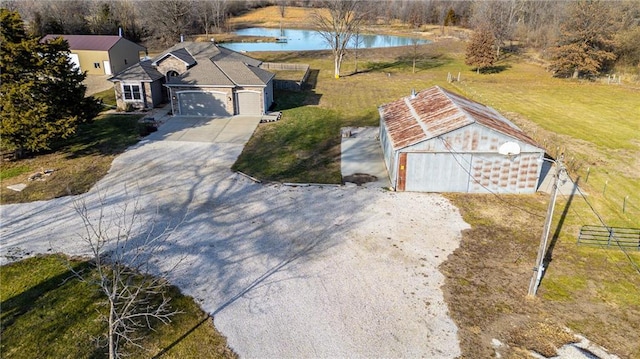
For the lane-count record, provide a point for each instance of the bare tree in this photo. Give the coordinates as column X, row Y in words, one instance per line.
column 169, row 18
column 498, row 16
column 212, row 14
column 415, row 44
column 357, row 41
column 539, row 21
column 282, row 7
column 122, row 250
column 338, row 27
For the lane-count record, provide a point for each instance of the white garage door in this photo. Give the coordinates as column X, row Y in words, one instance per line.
column 249, row 103
column 200, row 103
column 75, row 60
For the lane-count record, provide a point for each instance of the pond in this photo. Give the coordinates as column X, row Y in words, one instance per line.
column 303, row 40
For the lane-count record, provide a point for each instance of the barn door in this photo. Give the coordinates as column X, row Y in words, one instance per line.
column 402, row 172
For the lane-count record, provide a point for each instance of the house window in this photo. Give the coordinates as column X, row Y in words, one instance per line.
column 131, row 92
column 96, row 65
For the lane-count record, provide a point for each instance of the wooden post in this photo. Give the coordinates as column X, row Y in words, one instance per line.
column 587, row 178
column 624, row 203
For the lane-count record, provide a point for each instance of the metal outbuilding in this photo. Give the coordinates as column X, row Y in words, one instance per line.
column 438, row 141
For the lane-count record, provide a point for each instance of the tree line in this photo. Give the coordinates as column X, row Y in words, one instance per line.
column 533, row 22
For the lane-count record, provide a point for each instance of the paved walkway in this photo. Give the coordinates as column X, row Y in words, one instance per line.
column 361, row 154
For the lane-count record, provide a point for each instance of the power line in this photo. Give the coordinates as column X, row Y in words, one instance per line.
column 497, row 195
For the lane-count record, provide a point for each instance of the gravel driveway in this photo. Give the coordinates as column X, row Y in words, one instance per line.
column 287, row 272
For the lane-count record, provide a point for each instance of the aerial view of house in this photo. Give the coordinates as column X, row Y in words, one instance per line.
column 200, row 79
column 320, row 179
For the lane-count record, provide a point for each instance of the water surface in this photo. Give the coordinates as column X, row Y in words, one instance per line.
column 304, row 40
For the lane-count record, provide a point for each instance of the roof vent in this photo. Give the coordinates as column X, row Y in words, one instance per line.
column 120, row 31
column 413, row 93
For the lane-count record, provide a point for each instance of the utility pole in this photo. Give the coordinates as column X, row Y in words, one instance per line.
column 538, row 270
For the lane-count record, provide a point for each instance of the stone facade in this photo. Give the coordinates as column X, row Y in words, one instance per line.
column 171, row 63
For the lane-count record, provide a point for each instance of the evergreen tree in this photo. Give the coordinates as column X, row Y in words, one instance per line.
column 451, row 19
column 42, row 98
column 480, row 52
column 586, row 44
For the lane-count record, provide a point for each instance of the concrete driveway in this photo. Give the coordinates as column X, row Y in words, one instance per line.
column 233, row 130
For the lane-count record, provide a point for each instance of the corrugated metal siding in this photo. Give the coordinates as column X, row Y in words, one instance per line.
column 495, row 173
column 471, row 138
column 388, row 154
column 473, row 173
column 437, row 172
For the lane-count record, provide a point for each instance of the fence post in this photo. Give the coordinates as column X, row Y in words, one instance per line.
column 624, row 203
column 587, row 178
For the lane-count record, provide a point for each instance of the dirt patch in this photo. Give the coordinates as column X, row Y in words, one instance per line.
column 359, row 178
column 487, row 279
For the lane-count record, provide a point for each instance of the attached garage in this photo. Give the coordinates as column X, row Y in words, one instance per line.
column 202, row 103
column 249, row 103
column 437, row 141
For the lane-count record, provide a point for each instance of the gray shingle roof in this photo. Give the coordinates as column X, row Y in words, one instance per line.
column 205, row 73
column 207, row 65
column 217, row 66
column 142, row 71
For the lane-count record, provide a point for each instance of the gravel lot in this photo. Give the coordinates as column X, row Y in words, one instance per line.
column 286, row 271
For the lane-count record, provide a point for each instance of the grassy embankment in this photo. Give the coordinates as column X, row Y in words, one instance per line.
column 593, row 291
column 49, row 313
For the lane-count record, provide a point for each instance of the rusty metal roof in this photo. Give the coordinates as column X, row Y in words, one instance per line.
column 436, row 111
column 89, row 42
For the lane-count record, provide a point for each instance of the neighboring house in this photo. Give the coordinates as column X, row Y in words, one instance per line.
column 199, row 79
column 101, row 54
column 437, row 141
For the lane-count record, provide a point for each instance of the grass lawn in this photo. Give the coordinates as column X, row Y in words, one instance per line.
column 108, row 98
column 78, row 162
column 593, row 291
column 48, row 313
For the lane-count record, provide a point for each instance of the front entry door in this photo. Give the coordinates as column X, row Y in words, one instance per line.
column 107, row 67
